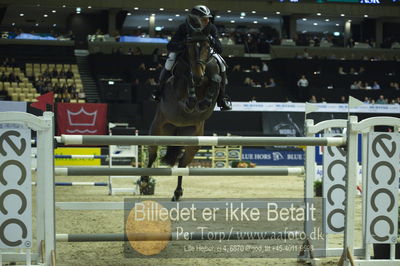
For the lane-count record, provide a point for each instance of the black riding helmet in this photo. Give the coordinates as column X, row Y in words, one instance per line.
column 201, row 11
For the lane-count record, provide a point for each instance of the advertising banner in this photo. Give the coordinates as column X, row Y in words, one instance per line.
column 82, row 119
column 77, row 161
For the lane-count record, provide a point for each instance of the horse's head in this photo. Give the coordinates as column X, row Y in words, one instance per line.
column 198, row 48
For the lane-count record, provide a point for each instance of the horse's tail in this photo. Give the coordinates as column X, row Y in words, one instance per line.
column 172, row 154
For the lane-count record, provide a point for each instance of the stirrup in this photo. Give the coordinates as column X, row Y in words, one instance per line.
column 225, row 104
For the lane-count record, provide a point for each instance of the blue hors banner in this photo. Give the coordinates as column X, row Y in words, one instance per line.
column 273, row 157
column 15, row 187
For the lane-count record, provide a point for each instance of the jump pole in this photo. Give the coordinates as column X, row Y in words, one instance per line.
column 99, row 171
column 199, row 141
column 194, row 236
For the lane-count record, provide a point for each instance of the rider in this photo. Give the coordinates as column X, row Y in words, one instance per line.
column 176, row 45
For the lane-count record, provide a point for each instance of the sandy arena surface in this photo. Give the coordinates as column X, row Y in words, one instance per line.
column 112, row 253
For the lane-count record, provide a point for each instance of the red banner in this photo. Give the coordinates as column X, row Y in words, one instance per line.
column 82, row 118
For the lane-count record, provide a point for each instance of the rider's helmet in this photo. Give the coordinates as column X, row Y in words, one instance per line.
column 201, row 11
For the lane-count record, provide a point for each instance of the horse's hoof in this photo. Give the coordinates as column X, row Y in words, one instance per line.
column 177, row 195
column 204, row 104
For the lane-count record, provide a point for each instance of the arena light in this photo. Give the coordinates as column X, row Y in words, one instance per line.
column 13, row 24
column 255, row 21
column 78, row 10
column 170, row 19
column 232, row 21
column 129, row 14
column 229, row 11
column 327, row 20
column 89, row 7
column 21, row 15
column 337, row 25
column 242, row 14
column 342, row 15
column 319, row 14
column 315, row 24
column 186, row 9
column 336, row 33
column 365, row 16
column 253, row 12
column 177, row 15
column 146, row 19
column 161, row 9
column 277, row 12
column 241, row 17
column 218, row 16
column 54, row 25
column 265, row 17
column 136, row 8
column 53, row 11
column 304, row 19
column 45, row 15
column 64, row 6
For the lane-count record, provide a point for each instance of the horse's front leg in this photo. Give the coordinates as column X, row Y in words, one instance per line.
column 191, row 91
column 186, row 159
column 212, row 90
column 144, row 179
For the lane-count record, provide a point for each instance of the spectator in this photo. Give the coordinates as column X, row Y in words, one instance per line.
column 354, row 86
column 312, row 99
column 156, row 55
column 360, row 85
column 367, row 86
column 270, row 84
column 353, row 71
column 69, row 74
column 253, row 99
column 302, row 85
column 264, row 67
column 381, row 100
column 341, row 71
column 343, row 99
column 54, row 73
column 396, row 86
column 3, row 77
column 137, row 51
column 362, row 70
column 366, row 100
column 58, row 98
column 249, row 82
column 376, row 86
column 236, row 68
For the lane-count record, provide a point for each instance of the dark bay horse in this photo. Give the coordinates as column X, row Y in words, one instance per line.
column 188, row 99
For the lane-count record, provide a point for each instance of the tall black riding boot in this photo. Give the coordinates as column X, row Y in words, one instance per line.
column 157, row 92
column 223, row 100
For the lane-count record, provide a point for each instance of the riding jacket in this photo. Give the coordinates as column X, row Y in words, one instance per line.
column 176, row 44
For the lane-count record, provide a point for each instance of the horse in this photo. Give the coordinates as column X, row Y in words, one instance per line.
column 188, row 99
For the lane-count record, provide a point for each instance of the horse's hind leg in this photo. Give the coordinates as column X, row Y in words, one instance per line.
column 144, row 180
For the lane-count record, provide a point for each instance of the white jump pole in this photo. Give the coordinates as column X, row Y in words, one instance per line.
column 199, row 141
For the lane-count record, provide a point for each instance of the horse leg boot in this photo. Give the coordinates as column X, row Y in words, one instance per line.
column 157, row 92
column 223, row 101
column 144, row 180
column 207, row 101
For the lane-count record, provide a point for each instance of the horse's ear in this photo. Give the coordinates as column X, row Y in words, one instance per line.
column 193, row 23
